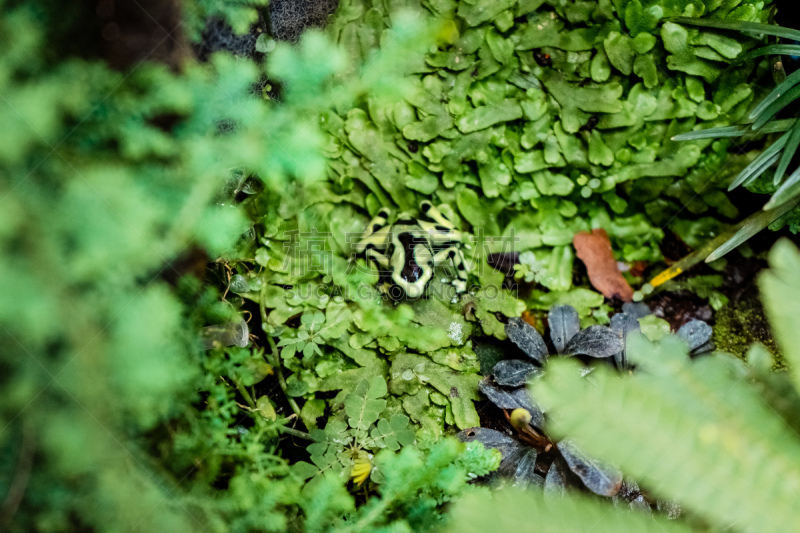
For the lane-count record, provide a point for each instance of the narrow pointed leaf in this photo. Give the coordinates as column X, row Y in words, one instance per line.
column 555, row 482
column 790, row 189
column 792, row 80
column 738, row 25
column 771, row 50
column 788, row 152
column 775, row 107
column 776, row 126
column 765, row 159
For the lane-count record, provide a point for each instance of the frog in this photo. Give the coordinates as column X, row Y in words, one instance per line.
column 408, row 250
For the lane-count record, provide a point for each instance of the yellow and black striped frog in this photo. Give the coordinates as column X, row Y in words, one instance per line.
column 408, row 250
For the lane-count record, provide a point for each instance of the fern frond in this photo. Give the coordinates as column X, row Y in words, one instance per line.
column 695, row 431
column 780, row 288
column 527, row 511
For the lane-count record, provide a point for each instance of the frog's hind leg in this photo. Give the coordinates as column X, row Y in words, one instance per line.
column 459, row 263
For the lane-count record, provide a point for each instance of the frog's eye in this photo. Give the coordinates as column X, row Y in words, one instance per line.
column 425, row 206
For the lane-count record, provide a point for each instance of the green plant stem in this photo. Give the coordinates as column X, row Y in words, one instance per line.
column 245, row 394
column 274, row 358
column 295, row 432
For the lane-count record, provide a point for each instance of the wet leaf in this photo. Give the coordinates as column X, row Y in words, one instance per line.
column 527, row 338
column 555, row 482
column 514, row 373
column 514, row 399
column 564, row 324
column 524, row 472
column 636, row 309
column 595, row 341
column 696, row 333
column 599, row 478
column 492, row 439
column 623, row 324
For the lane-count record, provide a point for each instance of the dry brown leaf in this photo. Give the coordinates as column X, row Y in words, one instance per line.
column 594, row 249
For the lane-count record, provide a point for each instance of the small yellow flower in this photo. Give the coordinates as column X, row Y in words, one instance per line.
column 362, row 466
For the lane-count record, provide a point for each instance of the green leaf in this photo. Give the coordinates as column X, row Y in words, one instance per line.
column 788, row 153
column 459, row 389
column 775, row 126
column 755, row 28
column 780, row 288
column 760, row 164
column 489, row 115
column 773, row 49
column 513, row 511
column 480, row 11
column 619, row 50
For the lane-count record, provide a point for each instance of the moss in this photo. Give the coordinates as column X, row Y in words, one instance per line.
column 741, row 323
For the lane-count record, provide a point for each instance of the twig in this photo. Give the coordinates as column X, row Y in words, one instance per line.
column 273, row 358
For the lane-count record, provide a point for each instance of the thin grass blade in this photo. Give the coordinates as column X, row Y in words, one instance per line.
column 788, row 153
column 792, row 80
column 751, row 225
column 789, row 190
column 761, row 163
column 713, row 133
column 775, row 126
column 775, row 107
column 771, row 50
column 723, row 243
column 752, row 28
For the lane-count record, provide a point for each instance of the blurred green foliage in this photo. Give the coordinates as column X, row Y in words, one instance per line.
column 113, row 417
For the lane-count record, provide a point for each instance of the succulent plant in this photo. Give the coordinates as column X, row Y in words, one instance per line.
column 507, row 388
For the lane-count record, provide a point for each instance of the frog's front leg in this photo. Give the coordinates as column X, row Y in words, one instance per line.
column 459, row 263
column 377, row 233
column 380, row 259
